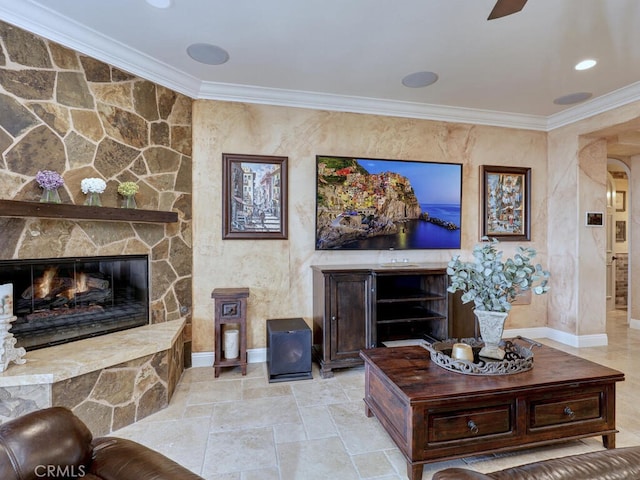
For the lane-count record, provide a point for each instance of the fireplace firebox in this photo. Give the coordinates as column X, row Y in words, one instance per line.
column 59, row 300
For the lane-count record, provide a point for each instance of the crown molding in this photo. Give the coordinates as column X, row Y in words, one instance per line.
column 372, row 106
column 47, row 23
column 601, row 104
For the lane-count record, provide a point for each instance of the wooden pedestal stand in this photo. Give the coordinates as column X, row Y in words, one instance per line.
column 230, row 310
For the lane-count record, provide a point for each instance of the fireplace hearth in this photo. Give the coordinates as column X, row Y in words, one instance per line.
column 60, row 300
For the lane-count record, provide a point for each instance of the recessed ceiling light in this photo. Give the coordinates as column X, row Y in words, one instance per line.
column 159, row 3
column 573, row 98
column 420, row 79
column 207, row 53
column 585, row 64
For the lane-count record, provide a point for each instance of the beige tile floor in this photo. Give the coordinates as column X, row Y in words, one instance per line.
column 244, row 428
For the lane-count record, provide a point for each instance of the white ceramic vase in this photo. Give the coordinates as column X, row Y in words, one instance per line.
column 491, row 327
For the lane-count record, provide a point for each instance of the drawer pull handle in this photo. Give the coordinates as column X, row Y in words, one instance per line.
column 472, row 426
column 569, row 413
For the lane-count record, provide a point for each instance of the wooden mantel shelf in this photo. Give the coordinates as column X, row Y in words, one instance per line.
column 15, row 208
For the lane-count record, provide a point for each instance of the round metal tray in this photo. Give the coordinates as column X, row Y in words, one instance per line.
column 517, row 359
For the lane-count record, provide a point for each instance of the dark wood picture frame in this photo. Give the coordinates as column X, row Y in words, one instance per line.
column 506, row 200
column 254, row 197
column 595, row 219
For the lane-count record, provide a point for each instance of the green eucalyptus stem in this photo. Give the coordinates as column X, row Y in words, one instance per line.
column 491, row 283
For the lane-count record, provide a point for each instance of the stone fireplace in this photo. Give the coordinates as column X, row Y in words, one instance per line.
column 65, row 299
column 83, row 118
column 90, row 119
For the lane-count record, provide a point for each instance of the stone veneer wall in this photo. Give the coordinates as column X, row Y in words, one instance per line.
column 107, row 399
column 118, row 396
column 63, row 111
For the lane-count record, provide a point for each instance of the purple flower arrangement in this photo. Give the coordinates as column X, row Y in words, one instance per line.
column 49, row 180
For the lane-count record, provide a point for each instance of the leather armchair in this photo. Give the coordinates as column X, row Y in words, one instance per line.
column 613, row 464
column 53, row 443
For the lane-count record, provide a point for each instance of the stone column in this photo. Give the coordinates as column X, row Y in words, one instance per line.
column 634, row 236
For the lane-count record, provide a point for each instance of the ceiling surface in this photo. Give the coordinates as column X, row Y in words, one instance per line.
column 351, row 55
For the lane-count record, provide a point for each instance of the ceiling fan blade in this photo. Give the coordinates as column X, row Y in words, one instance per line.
column 506, row 7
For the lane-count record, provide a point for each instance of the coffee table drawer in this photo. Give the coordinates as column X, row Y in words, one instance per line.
column 569, row 409
column 470, row 424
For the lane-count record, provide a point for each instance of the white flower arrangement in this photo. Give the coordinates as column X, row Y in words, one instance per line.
column 93, row 185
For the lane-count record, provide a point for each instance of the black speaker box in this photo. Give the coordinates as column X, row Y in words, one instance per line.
column 288, row 349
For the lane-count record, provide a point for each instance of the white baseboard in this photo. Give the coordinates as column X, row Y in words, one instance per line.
column 205, row 359
column 258, row 355
column 578, row 341
column 202, row 359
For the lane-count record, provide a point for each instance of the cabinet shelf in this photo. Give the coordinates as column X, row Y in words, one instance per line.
column 414, row 314
column 410, row 320
column 409, row 295
column 410, row 305
column 62, row 211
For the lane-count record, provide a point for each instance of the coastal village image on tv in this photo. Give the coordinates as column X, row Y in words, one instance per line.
column 376, row 204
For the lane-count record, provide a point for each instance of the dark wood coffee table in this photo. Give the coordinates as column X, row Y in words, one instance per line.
column 433, row 414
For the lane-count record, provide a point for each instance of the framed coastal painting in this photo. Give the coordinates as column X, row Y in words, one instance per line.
column 254, row 197
column 506, row 194
column 387, row 204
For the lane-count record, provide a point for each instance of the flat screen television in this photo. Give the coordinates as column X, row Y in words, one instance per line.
column 379, row 204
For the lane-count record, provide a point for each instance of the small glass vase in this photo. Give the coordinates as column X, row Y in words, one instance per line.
column 93, row 199
column 50, row 195
column 129, row 201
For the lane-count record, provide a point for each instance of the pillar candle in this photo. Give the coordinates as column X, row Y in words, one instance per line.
column 231, row 345
column 462, row 351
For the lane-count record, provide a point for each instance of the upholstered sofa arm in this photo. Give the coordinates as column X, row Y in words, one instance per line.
column 122, row 459
column 460, row 474
column 613, row 464
column 55, row 443
column 44, row 444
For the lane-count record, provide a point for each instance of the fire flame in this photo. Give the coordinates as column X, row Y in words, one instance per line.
column 44, row 283
column 81, row 283
column 47, row 283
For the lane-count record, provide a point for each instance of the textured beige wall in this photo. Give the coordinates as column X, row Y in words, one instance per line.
column 577, row 184
column 277, row 271
column 633, row 232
